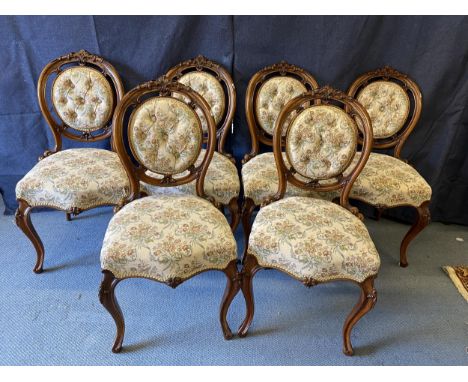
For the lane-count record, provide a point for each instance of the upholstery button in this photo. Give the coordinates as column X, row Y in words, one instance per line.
column 79, row 100
column 71, row 114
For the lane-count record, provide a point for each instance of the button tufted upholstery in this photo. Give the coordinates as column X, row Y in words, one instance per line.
column 165, row 135
column 260, row 180
column 313, row 239
column 272, row 96
column 221, row 181
column 81, row 178
column 321, row 142
column 388, row 106
column 167, row 237
column 83, row 98
column 211, row 90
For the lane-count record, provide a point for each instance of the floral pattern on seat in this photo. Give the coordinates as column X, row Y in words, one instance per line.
column 75, row 178
column 313, row 239
column 388, row 182
column 167, row 237
column 260, row 180
column 221, row 181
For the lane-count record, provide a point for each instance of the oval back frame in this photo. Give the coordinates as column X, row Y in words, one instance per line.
column 203, row 64
column 281, row 69
column 344, row 182
column 390, row 74
column 136, row 171
column 80, row 58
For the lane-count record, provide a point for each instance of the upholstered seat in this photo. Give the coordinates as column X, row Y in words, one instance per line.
column 389, row 182
column 393, row 102
column 167, row 237
column 313, row 239
column 260, row 180
column 221, row 181
column 75, row 178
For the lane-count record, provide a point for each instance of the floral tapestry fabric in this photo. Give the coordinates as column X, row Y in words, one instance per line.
column 83, row 98
column 321, row 142
column 221, row 181
column 167, row 237
column 165, row 135
column 81, row 178
column 388, row 106
column 272, row 96
column 211, row 90
column 389, row 182
column 313, row 239
column 260, row 180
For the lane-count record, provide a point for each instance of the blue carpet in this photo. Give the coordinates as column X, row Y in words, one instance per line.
column 55, row 318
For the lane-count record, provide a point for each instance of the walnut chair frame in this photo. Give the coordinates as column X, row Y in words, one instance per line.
column 60, row 129
column 257, row 134
column 325, row 96
column 136, row 171
column 203, row 64
column 397, row 141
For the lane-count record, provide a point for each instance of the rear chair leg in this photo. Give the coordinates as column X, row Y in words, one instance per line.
column 23, row 221
column 247, row 211
column 233, row 207
column 366, row 302
column 108, row 300
column 423, row 219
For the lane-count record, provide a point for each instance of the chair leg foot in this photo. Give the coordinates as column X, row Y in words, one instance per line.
column 422, row 220
column 108, row 300
column 366, row 302
column 232, row 288
column 247, row 211
column 234, row 210
column 23, row 221
column 250, row 268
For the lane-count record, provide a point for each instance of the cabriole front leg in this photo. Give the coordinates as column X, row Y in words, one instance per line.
column 250, row 268
column 232, row 288
column 23, row 221
column 108, row 300
column 366, row 302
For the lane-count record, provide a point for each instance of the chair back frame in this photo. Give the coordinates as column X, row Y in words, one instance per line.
column 322, row 96
column 84, row 59
column 203, row 64
column 137, row 171
column 281, row 69
column 390, row 74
